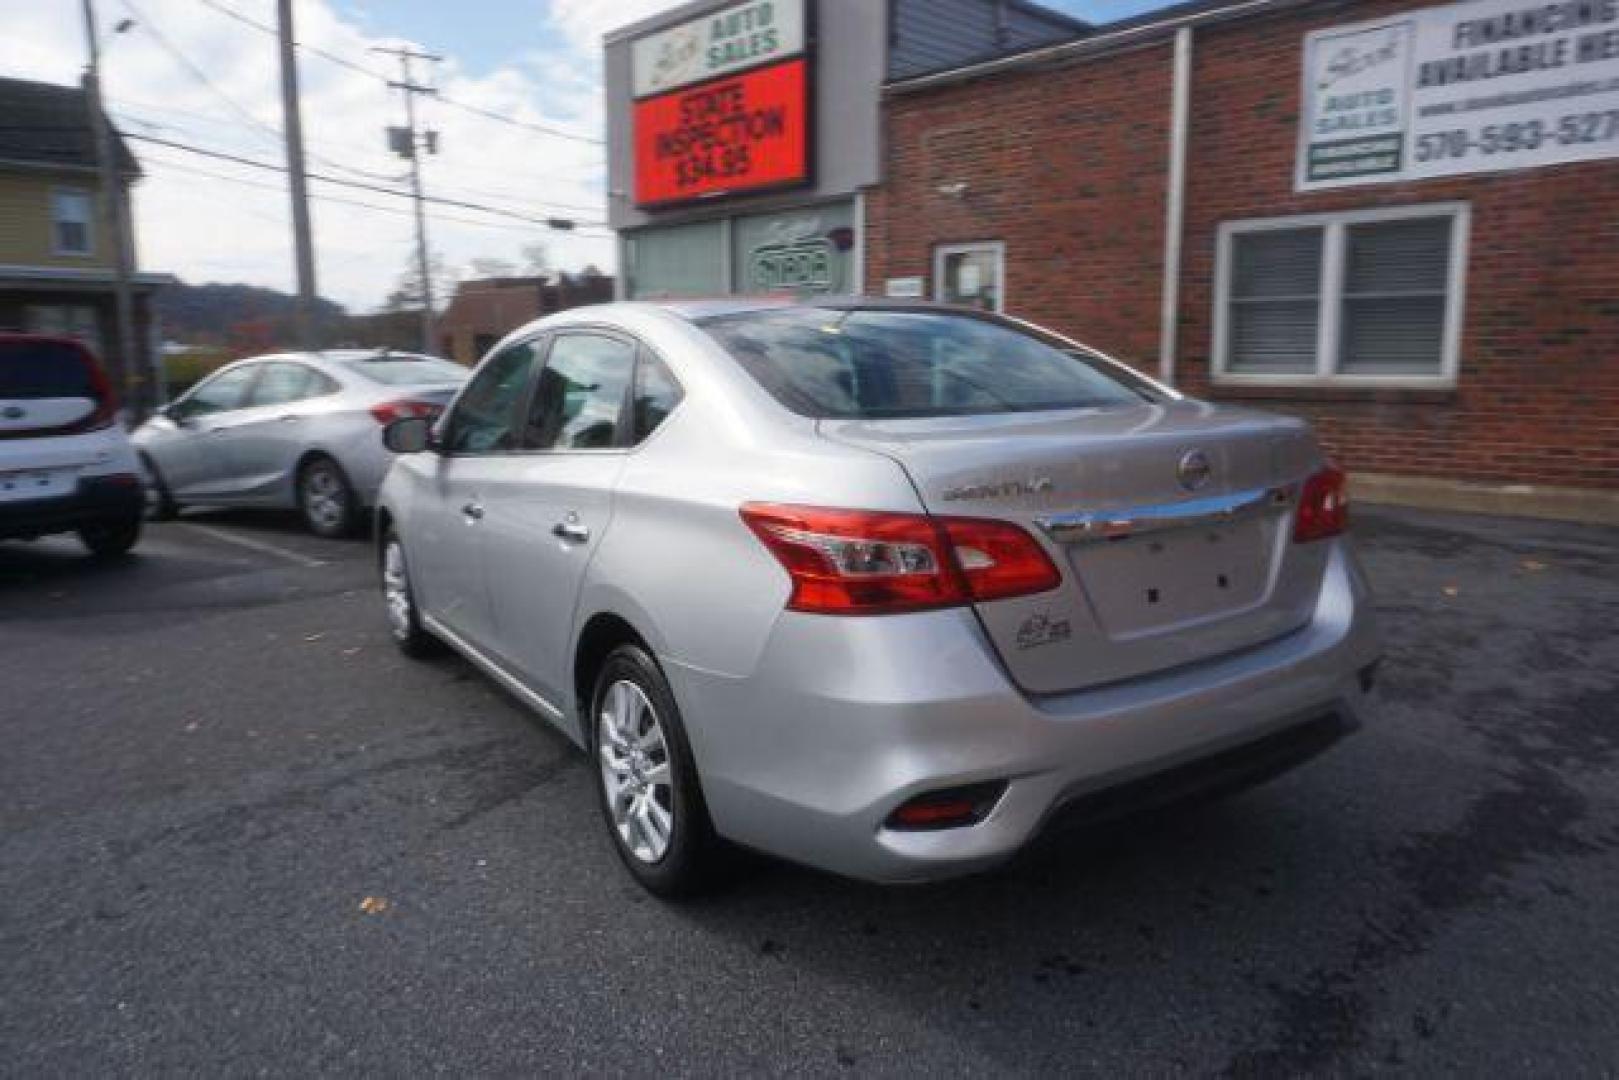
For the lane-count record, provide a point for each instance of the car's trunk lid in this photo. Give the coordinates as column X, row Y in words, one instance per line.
column 1161, row 566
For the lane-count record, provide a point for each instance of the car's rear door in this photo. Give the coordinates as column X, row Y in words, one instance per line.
column 271, row 432
column 548, row 506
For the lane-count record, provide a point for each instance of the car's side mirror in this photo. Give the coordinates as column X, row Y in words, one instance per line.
column 175, row 413
column 408, row 435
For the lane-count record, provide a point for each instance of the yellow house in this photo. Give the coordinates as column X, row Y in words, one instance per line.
column 56, row 249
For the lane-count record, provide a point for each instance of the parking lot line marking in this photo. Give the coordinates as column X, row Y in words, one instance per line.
column 262, row 546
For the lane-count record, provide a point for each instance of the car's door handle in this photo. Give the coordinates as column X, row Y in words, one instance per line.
column 473, row 511
column 571, row 531
column 290, row 418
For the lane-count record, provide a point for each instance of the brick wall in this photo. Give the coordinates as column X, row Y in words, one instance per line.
column 1068, row 167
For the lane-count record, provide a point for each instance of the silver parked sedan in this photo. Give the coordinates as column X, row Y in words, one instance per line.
column 888, row 590
column 295, row 430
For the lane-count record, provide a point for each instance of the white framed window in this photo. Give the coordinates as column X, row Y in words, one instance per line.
column 72, row 217
column 972, row 275
column 1358, row 298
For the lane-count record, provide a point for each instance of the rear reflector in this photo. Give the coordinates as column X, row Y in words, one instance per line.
column 389, row 411
column 951, row 808
column 862, row 562
column 1323, row 506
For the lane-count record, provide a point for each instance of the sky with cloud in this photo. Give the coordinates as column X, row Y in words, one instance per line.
column 189, row 72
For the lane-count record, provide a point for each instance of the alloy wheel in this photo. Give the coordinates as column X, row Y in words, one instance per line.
column 635, row 768
column 396, row 590
column 325, row 497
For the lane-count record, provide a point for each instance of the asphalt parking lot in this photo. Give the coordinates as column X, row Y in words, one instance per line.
column 240, row 834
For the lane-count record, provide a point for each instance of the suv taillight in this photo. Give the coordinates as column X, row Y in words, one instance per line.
column 863, row 562
column 1323, row 506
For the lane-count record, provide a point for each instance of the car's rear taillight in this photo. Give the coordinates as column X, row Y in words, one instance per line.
column 1323, row 506
column 389, row 411
column 861, row 562
column 106, row 410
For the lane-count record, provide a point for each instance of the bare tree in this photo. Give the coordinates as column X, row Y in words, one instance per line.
column 493, row 268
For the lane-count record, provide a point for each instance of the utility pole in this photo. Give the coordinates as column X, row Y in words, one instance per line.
column 293, row 126
column 127, row 371
column 407, row 143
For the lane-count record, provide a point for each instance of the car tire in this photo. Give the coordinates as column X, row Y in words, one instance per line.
column 404, row 625
column 160, row 504
column 111, row 539
column 661, row 830
column 326, row 499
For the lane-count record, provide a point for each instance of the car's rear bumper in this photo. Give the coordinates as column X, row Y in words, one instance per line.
column 846, row 719
column 96, row 499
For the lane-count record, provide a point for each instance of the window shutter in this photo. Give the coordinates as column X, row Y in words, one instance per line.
column 1275, row 301
column 1396, row 275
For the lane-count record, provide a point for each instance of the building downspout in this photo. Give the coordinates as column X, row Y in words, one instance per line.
column 1175, row 206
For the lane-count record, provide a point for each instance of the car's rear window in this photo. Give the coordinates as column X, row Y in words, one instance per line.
column 44, row 369
column 409, row 370
column 860, row 363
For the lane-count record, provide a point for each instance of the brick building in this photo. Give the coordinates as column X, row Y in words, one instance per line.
column 484, row 310
column 1442, row 302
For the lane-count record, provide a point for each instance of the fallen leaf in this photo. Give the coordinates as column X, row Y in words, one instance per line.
column 373, row 905
column 1533, row 565
column 1451, row 590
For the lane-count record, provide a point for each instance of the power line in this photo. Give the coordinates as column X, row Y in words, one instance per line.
column 181, row 131
column 335, row 199
column 231, row 103
column 124, row 105
column 560, row 224
column 196, row 72
column 345, row 62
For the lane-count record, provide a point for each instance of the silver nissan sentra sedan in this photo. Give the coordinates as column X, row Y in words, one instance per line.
column 887, row 590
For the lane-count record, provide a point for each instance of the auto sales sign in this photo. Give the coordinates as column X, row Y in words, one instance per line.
column 1466, row 88
column 722, row 104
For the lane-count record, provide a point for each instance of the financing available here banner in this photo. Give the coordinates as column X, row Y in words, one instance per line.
column 1466, row 88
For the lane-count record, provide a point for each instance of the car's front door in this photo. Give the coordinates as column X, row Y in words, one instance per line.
column 445, row 544
column 194, row 452
column 548, row 506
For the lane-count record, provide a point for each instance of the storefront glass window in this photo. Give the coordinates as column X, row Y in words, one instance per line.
column 971, row 275
column 805, row 251
column 677, row 261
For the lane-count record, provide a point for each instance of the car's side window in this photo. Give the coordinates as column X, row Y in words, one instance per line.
column 484, row 416
column 283, row 384
column 656, row 395
column 221, row 393
column 579, row 399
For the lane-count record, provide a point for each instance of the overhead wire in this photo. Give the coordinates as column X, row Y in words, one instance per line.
column 467, row 107
column 566, row 224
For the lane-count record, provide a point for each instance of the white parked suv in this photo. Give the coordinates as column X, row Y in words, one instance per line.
column 66, row 464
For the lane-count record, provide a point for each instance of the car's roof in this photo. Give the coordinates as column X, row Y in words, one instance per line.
column 695, row 310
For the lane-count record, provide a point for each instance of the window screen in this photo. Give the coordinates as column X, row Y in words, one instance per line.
column 1275, row 301
column 1395, row 279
